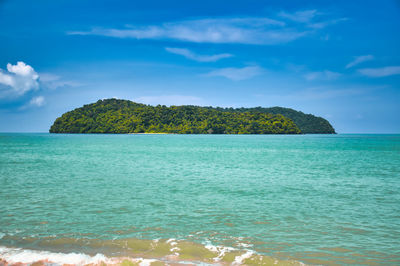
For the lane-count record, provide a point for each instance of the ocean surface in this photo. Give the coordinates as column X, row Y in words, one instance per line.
column 201, row 199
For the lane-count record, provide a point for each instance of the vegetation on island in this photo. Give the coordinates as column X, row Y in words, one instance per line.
column 123, row 116
column 307, row 123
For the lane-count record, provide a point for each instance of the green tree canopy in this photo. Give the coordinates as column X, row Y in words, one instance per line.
column 123, row 116
column 307, row 123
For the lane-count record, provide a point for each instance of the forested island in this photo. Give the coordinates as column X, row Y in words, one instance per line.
column 123, row 116
column 307, row 123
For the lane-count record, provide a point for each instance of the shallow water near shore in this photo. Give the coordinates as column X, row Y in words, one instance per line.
column 202, row 199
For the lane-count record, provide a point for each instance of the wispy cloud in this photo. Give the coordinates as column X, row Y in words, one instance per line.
column 360, row 59
column 170, row 100
column 37, row 101
column 380, row 72
column 237, row 73
column 321, row 93
column 244, row 30
column 196, row 57
column 323, row 75
column 18, row 79
column 324, row 24
column 299, row 16
column 52, row 81
column 308, row 18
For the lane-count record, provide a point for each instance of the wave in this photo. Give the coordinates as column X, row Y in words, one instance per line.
column 26, row 256
column 126, row 252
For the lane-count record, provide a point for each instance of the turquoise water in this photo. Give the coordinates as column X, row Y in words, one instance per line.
column 311, row 198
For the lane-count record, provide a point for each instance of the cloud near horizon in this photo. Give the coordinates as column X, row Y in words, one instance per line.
column 196, row 57
column 237, row 74
column 243, row 30
column 18, row 79
column 380, row 72
column 359, row 59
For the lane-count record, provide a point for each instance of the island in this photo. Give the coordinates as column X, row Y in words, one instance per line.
column 123, row 116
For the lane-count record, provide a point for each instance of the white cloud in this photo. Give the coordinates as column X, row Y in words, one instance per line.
column 360, row 59
column 37, row 101
column 6, row 79
column 170, row 100
column 324, row 75
column 380, row 72
column 248, row 30
column 19, row 79
column 299, row 16
column 193, row 56
column 245, row 30
column 237, row 73
column 22, row 69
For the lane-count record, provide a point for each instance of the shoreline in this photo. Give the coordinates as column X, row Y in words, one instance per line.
column 160, row 252
column 198, row 134
column 150, row 133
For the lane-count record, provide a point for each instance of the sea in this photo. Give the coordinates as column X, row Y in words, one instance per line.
column 153, row 199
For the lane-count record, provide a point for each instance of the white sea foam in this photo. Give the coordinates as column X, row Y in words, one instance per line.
column 170, row 240
column 145, row 262
column 221, row 250
column 175, row 249
column 18, row 255
column 244, row 245
column 2, row 235
column 239, row 259
column 26, row 256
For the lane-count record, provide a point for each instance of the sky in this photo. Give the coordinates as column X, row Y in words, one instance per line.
column 336, row 59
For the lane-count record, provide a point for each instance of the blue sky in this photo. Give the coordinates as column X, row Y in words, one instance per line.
column 335, row 59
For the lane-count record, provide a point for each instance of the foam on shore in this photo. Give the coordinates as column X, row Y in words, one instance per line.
column 128, row 252
column 27, row 257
